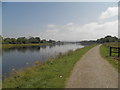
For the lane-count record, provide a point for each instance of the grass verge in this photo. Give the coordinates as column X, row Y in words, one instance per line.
column 104, row 50
column 20, row 45
column 50, row 74
column 112, row 44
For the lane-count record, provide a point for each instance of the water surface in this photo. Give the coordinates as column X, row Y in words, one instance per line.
column 20, row 57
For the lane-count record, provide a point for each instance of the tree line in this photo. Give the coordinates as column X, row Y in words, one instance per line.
column 101, row 40
column 24, row 40
column 33, row 40
column 108, row 39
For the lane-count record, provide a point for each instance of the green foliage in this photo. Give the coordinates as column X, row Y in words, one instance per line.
column 13, row 41
column 37, row 39
column 43, row 41
column 7, row 40
column 101, row 40
column 107, row 39
column 34, row 40
column 21, row 40
column 24, row 40
column 1, row 39
column 51, row 41
column 50, row 74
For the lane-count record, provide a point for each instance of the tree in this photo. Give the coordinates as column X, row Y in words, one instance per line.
column 107, row 39
column 22, row 40
column 1, row 39
column 43, row 41
column 7, row 41
column 32, row 40
column 37, row 39
column 13, row 41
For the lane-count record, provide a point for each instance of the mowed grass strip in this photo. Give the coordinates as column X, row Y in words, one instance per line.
column 50, row 74
column 104, row 50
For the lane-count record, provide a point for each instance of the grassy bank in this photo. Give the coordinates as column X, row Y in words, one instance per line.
column 104, row 50
column 112, row 44
column 19, row 45
column 50, row 74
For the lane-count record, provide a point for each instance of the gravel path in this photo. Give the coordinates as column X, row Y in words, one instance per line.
column 92, row 71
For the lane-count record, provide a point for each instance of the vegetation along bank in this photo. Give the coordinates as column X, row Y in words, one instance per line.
column 50, row 74
column 114, row 60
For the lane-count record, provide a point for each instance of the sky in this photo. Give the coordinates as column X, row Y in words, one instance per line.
column 60, row 0
column 65, row 21
column 0, row 18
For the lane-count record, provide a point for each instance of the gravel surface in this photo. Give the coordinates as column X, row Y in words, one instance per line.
column 92, row 71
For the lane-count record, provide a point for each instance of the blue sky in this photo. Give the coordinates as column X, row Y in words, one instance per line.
column 37, row 18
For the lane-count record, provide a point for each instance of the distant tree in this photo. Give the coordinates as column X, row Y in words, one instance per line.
column 22, row 40
column 33, row 40
column 37, row 39
column 43, row 41
column 1, row 39
column 118, row 40
column 13, row 41
column 51, row 41
column 7, row 41
column 107, row 39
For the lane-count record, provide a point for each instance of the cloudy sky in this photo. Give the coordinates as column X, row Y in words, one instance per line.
column 0, row 18
column 61, row 20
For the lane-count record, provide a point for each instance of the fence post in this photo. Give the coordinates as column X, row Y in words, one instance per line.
column 118, row 52
column 110, row 51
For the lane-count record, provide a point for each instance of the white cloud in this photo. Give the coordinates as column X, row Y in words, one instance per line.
column 76, row 32
column 110, row 12
column 51, row 25
column 70, row 24
column 91, row 31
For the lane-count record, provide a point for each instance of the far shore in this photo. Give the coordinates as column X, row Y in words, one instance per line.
column 19, row 45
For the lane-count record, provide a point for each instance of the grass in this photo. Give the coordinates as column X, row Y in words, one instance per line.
column 112, row 44
column 0, row 81
column 19, row 45
column 50, row 74
column 104, row 50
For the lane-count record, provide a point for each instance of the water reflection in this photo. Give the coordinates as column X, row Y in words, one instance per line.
column 20, row 57
column 23, row 49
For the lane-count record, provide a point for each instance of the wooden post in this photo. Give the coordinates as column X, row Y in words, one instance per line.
column 110, row 51
column 118, row 52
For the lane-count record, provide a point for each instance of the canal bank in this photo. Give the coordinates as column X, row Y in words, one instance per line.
column 50, row 74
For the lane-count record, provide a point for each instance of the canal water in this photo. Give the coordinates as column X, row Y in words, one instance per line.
column 20, row 57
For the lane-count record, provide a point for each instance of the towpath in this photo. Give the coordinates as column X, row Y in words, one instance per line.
column 92, row 71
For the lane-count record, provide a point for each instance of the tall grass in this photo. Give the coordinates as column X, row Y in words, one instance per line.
column 50, row 74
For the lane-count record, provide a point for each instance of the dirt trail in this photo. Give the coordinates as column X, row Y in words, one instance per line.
column 92, row 71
